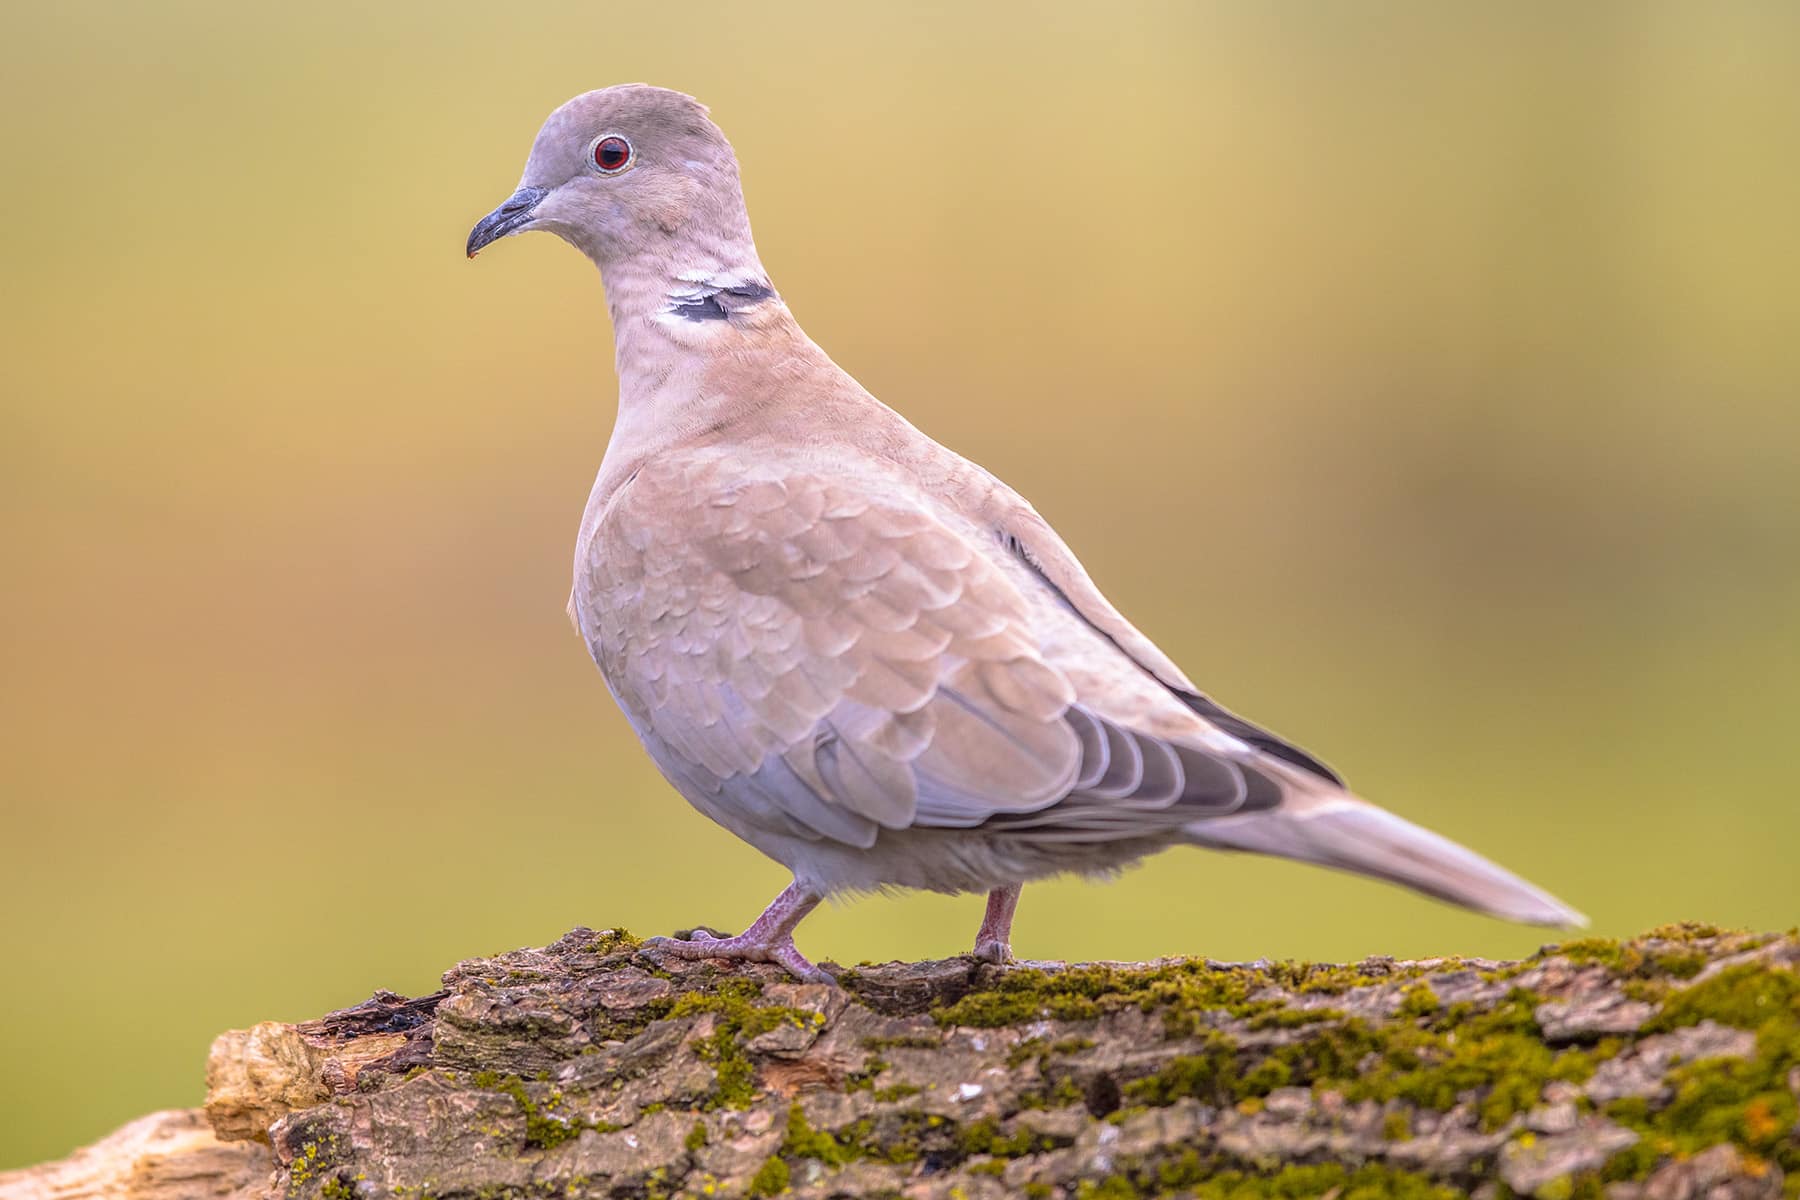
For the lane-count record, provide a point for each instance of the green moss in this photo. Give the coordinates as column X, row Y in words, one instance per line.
column 803, row 1141
column 740, row 1018
column 771, row 1179
column 1215, row 1075
column 545, row 1126
column 1293, row 1018
column 1748, row 995
column 907, row 1137
column 1647, row 964
column 1265, row 1077
column 1396, row 1127
column 1730, row 1100
column 1027, row 995
column 1027, row 1050
column 897, row 1091
column 1562, row 1188
column 985, row 1137
column 864, row 1080
column 992, row 1166
column 615, row 941
column 1634, row 1163
column 737, row 1078
column 1497, row 1056
column 1061, row 1093
column 1182, row 991
column 1609, row 952
column 1689, row 931
column 1190, row 996
column 1418, row 1001
column 903, row 1139
column 308, row 1161
column 696, row 1138
column 1744, row 1102
column 1191, row 1175
column 1680, row 964
column 907, row 1041
column 1337, row 978
column 1209, row 1076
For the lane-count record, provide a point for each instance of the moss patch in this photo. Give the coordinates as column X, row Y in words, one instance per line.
column 545, row 1125
column 615, row 941
column 803, row 1141
column 771, row 1179
column 1185, row 993
column 907, row 1137
column 1749, row 995
column 1497, row 1056
column 1210, row 1076
column 740, row 1018
column 1747, row 1103
column 1649, row 965
column 1192, row 1175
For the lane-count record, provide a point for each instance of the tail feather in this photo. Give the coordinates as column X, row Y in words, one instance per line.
column 1338, row 830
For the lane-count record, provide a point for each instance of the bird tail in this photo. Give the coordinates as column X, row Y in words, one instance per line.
column 1335, row 829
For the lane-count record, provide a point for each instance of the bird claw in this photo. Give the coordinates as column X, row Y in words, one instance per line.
column 998, row 953
column 781, row 952
column 803, row 969
column 691, row 946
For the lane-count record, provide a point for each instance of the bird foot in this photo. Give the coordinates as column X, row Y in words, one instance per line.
column 993, row 941
column 746, row 948
column 988, row 950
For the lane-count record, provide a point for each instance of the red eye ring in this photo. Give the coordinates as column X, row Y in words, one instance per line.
column 610, row 153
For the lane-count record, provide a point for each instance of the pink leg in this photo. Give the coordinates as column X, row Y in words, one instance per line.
column 993, row 941
column 769, row 939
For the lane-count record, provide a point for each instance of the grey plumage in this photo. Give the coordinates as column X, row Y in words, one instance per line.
column 856, row 650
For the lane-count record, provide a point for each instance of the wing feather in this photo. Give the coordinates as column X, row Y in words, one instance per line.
column 825, row 660
column 842, row 662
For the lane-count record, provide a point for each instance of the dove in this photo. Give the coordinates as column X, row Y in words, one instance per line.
column 848, row 645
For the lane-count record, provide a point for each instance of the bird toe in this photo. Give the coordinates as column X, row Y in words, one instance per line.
column 998, row 953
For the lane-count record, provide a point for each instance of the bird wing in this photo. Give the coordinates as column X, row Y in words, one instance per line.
column 1042, row 550
column 826, row 655
column 823, row 656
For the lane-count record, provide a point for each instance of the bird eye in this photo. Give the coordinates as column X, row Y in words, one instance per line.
column 610, row 153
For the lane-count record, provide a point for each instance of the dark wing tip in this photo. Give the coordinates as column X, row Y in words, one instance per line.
column 1257, row 736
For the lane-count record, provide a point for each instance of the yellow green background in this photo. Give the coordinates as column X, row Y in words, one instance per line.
column 1425, row 377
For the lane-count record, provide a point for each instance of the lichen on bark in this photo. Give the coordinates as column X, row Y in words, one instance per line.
column 1663, row 1067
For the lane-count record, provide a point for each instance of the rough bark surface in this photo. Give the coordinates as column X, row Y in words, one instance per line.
column 1665, row 1068
column 173, row 1155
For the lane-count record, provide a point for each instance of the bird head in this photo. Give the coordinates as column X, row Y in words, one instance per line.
column 625, row 173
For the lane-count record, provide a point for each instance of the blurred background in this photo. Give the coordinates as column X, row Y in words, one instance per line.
column 1424, row 378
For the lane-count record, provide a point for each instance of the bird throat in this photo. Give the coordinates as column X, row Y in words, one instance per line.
column 715, row 296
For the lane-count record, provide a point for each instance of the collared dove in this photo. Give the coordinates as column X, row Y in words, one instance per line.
column 852, row 647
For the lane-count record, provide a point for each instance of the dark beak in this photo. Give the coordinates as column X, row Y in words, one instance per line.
column 506, row 219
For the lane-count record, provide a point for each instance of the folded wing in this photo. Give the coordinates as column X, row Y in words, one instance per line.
column 831, row 659
column 825, row 658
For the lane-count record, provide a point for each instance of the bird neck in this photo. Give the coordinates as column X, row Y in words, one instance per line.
column 666, row 303
column 698, row 343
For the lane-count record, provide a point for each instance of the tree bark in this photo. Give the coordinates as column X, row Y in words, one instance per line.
column 1664, row 1068
column 172, row 1155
